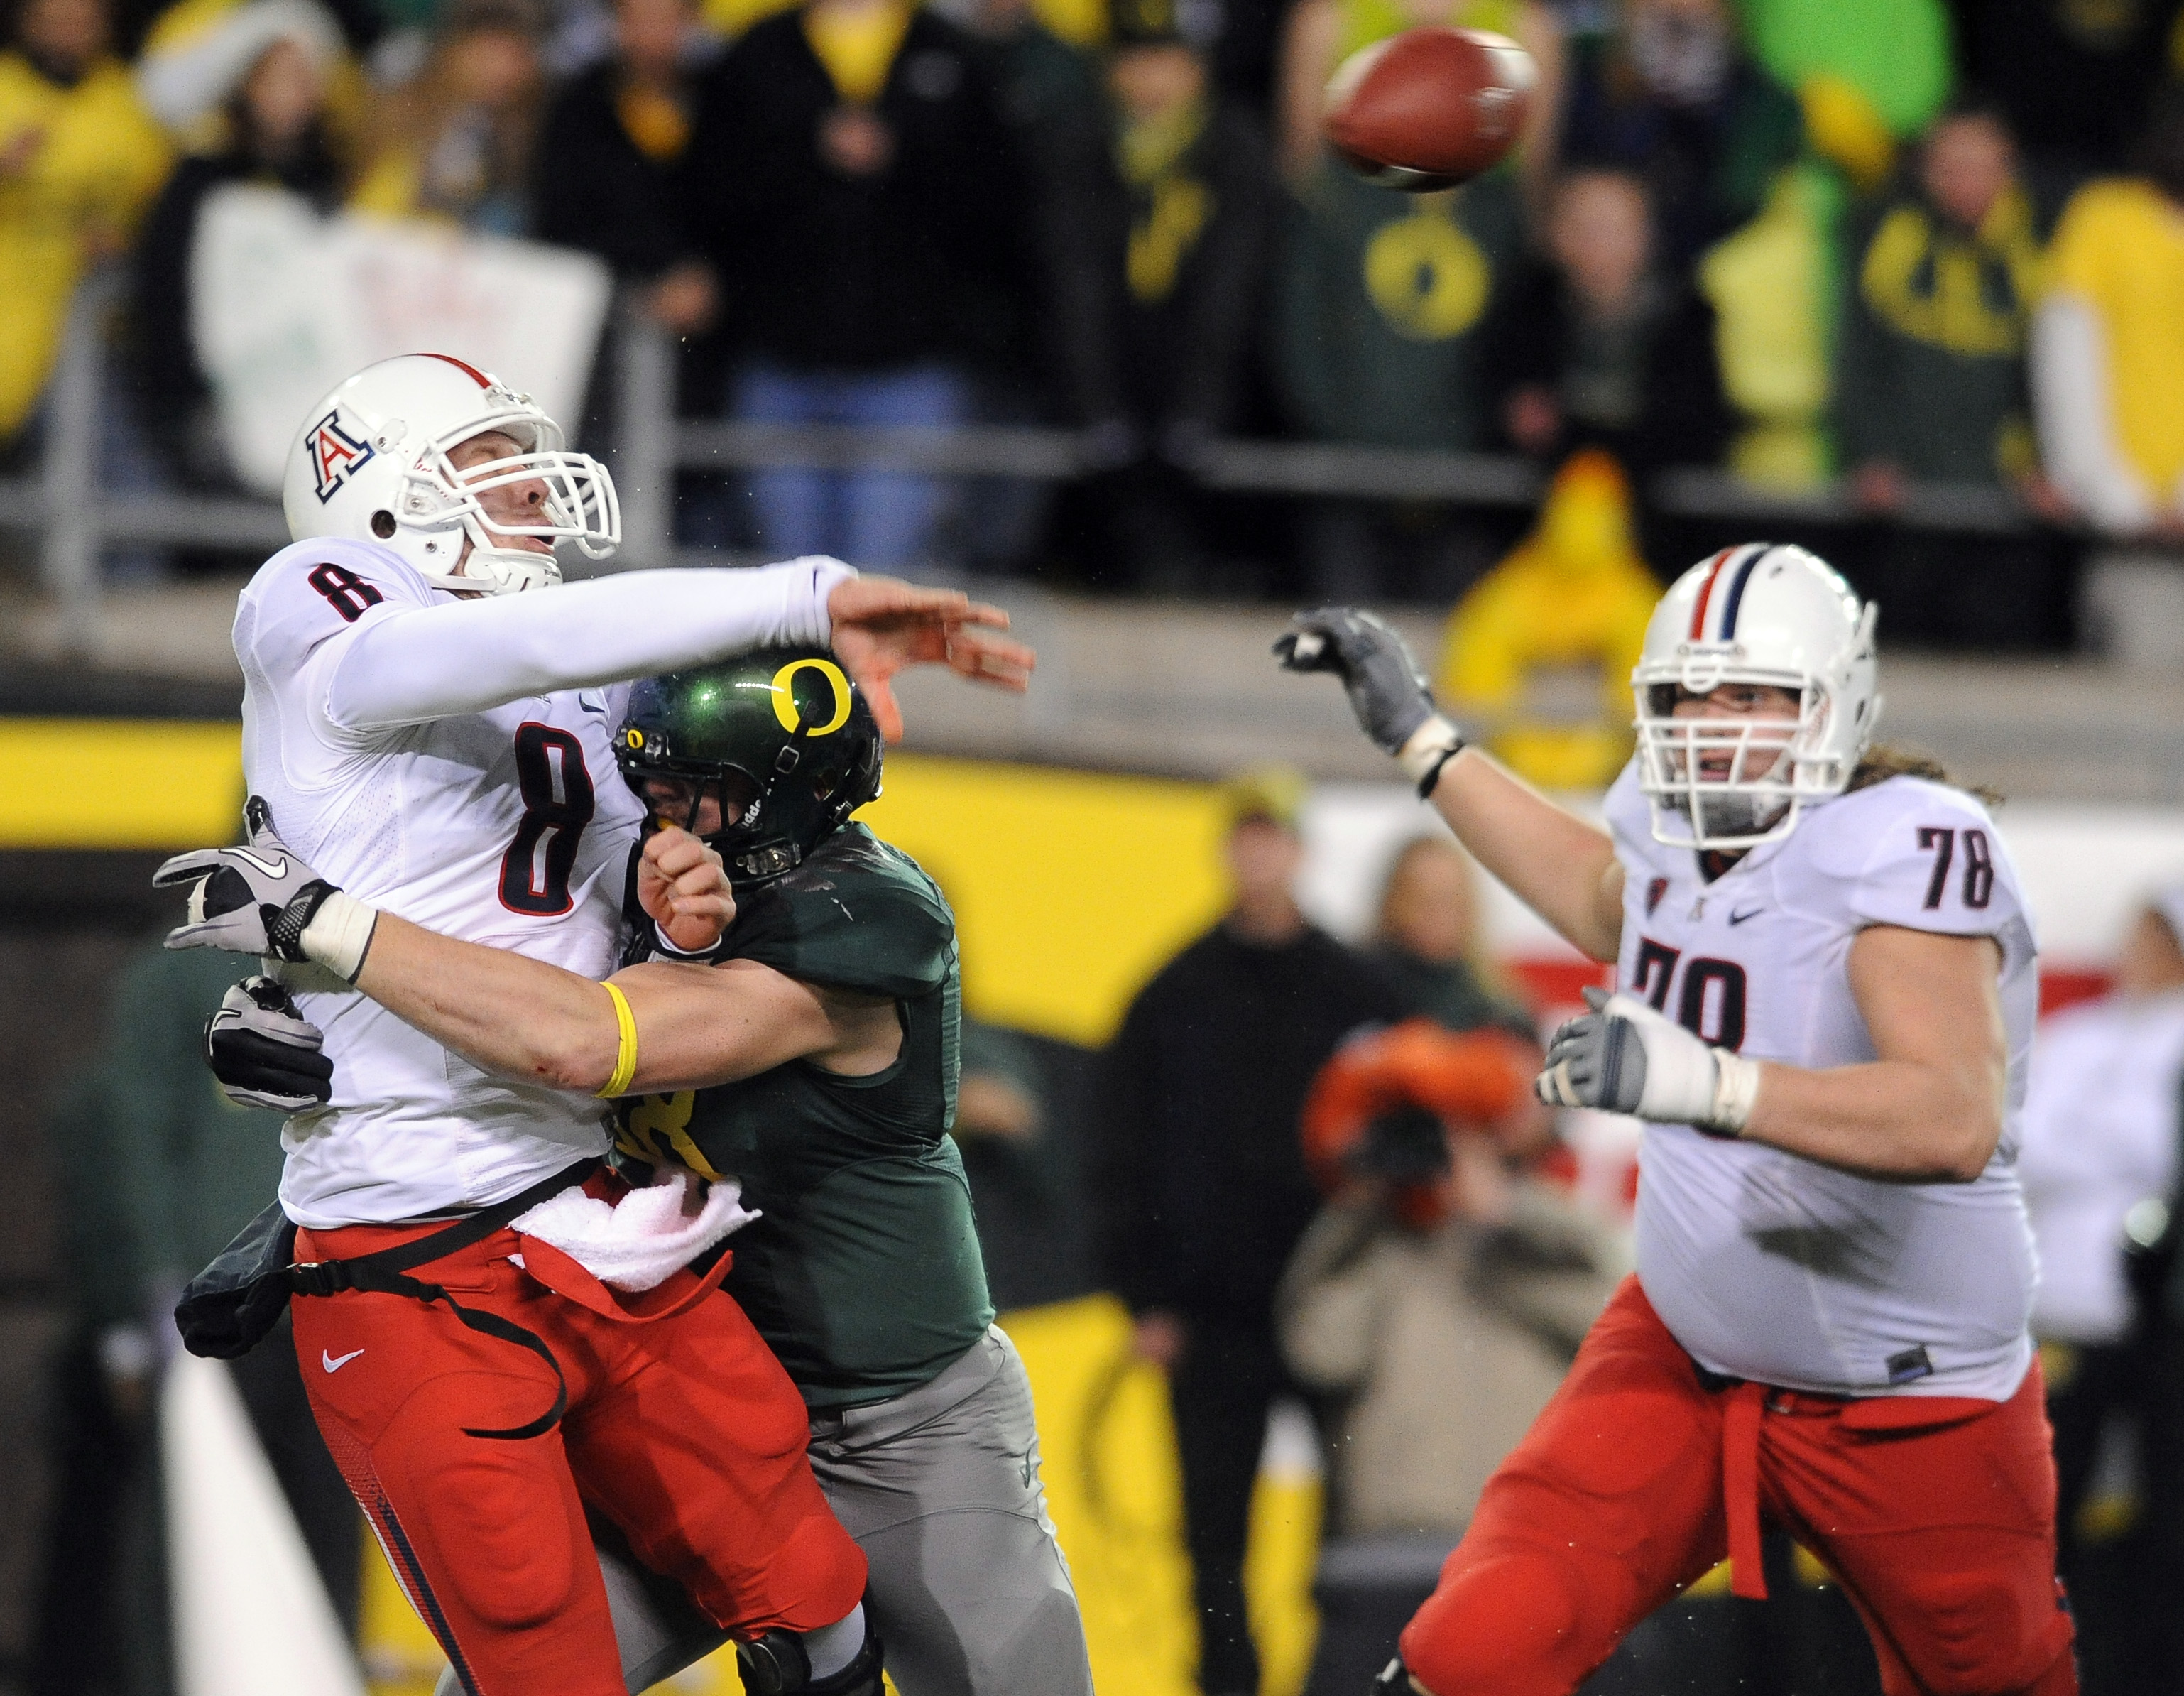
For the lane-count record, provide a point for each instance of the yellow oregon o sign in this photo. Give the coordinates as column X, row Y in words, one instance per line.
column 1427, row 276
column 784, row 699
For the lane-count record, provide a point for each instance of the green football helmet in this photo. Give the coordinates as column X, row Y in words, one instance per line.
column 781, row 741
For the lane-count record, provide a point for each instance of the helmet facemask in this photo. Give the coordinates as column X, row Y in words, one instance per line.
column 1733, row 781
column 709, row 804
column 579, row 505
column 725, row 806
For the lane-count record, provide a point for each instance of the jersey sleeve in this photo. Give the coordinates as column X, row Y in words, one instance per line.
column 462, row 656
column 872, row 934
column 1932, row 861
column 306, row 609
column 313, row 593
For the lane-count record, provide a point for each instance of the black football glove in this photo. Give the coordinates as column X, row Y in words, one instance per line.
column 1387, row 691
column 262, row 899
column 265, row 1052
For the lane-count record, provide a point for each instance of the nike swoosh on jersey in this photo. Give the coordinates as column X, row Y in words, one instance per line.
column 334, row 1362
column 1736, row 919
column 271, row 868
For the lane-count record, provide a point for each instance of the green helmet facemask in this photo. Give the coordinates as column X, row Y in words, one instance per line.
column 780, row 741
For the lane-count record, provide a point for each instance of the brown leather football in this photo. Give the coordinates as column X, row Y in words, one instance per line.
column 1430, row 108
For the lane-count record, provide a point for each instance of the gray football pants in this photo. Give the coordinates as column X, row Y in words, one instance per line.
column 940, row 1487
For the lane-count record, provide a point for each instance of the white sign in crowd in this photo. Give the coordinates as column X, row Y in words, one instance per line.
column 286, row 304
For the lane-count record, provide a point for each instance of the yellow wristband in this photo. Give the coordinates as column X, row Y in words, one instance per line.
column 624, row 1043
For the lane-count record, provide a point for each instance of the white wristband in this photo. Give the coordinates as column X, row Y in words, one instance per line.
column 1735, row 1091
column 339, row 935
column 1688, row 1080
column 1430, row 745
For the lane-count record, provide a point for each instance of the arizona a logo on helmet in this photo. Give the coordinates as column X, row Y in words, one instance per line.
column 334, row 453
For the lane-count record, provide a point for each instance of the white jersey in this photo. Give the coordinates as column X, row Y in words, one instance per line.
column 1772, row 1267
column 392, row 730
column 2100, row 1134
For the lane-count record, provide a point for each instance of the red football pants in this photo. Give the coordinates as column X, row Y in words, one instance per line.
column 1937, row 1516
column 683, row 1430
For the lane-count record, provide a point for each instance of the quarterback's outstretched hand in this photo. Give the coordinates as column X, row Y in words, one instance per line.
column 265, row 1052
column 1388, row 692
column 883, row 625
column 683, row 888
column 1625, row 1057
column 263, row 900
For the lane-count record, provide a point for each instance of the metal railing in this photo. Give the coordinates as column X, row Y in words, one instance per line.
column 76, row 520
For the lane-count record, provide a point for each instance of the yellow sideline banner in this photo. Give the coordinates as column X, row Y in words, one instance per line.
column 119, row 783
column 1071, row 889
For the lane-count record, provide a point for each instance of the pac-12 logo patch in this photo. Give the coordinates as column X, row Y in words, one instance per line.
column 335, row 454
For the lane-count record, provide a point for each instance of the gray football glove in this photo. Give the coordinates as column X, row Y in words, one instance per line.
column 263, row 900
column 265, row 1053
column 1387, row 691
column 1625, row 1057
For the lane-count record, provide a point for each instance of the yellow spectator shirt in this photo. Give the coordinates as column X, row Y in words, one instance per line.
column 2120, row 249
column 858, row 49
column 78, row 166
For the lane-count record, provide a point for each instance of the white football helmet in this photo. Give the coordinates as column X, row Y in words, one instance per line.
column 1763, row 614
column 371, row 462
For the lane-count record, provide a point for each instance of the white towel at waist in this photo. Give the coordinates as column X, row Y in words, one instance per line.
column 639, row 1241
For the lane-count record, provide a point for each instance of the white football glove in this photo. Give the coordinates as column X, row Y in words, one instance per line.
column 1625, row 1057
column 263, row 900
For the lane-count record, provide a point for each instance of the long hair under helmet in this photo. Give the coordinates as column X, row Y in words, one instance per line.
column 371, row 462
column 1766, row 614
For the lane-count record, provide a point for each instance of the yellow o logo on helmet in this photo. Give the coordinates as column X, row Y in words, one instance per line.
column 784, row 700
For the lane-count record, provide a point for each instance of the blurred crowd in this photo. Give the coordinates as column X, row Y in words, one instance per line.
column 1795, row 240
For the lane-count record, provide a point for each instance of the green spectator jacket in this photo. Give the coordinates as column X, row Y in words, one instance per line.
column 1385, row 304
column 1931, row 362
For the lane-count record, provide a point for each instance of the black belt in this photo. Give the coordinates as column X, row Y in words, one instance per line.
column 384, row 1273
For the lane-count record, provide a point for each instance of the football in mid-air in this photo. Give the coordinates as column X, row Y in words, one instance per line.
column 1430, row 108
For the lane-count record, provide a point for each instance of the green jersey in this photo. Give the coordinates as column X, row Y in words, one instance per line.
column 863, row 1272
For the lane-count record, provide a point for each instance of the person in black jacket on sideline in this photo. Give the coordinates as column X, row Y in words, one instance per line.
column 1201, row 1183
column 853, row 178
